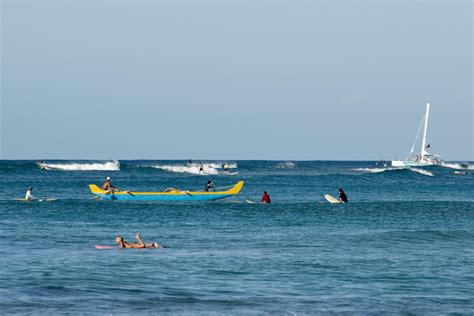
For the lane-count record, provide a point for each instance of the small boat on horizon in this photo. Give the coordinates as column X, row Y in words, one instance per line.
column 424, row 158
column 171, row 194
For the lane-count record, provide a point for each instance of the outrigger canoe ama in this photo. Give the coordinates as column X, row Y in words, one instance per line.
column 173, row 195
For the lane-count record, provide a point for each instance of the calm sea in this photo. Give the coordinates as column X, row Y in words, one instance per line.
column 404, row 244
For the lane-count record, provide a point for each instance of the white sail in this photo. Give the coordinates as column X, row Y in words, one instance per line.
column 424, row 158
column 425, row 132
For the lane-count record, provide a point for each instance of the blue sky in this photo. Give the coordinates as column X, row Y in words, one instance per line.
column 234, row 79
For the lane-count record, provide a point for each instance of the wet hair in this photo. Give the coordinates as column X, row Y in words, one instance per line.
column 209, row 181
column 341, row 190
column 119, row 237
column 30, row 188
column 264, row 192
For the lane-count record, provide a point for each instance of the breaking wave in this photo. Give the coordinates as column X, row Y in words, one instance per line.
column 422, row 172
column 209, row 168
column 192, row 169
column 458, row 166
column 375, row 170
column 379, row 170
column 216, row 165
column 286, row 165
column 104, row 166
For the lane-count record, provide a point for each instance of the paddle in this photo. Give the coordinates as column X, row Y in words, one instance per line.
column 118, row 190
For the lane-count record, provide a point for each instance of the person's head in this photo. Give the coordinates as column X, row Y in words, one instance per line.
column 341, row 190
column 209, row 181
column 30, row 188
column 108, row 179
column 42, row 161
column 119, row 239
column 265, row 192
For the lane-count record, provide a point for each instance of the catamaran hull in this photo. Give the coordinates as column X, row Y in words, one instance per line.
column 404, row 164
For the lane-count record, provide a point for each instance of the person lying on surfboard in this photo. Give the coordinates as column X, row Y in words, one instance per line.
column 342, row 196
column 139, row 244
column 107, row 186
column 29, row 196
column 265, row 197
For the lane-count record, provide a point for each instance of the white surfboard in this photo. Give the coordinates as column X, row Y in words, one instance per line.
column 250, row 201
column 331, row 199
column 35, row 200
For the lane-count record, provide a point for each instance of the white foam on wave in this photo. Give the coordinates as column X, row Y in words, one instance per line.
column 422, row 172
column 373, row 170
column 379, row 170
column 286, row 165
column 216, row 165
column 105, row 166
column 192, row 169
column 458, row 166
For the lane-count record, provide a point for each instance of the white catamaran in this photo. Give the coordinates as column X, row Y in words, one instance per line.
column 424, row 158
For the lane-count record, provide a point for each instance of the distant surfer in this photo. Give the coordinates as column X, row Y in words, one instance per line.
column 201, row 168
column 265, row 197
column 190, row 162
column 209, row 185
column 42, row 165
column 107, row 186
column 342, row 196
column 139, row 243
column 29, row 195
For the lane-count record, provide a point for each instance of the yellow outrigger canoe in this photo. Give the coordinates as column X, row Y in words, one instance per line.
column 169, row 195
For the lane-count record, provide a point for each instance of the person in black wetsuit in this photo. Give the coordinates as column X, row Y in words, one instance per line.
column 342, row 196
column 209, row 185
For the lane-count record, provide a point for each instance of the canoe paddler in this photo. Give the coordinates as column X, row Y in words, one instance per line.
column 107, row 186
column 139, row 243
column 29, row 195
column 209, row 185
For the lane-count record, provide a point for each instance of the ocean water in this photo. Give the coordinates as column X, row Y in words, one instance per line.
column 404, row 244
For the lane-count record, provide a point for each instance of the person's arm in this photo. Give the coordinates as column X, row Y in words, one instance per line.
column 29, row 196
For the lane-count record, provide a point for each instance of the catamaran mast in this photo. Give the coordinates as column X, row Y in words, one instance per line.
column 423, row 145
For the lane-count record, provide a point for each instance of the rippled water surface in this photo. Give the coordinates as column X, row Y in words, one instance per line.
column 404, row 243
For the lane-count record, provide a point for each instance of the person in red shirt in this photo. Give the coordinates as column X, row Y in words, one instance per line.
column 265, row 198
